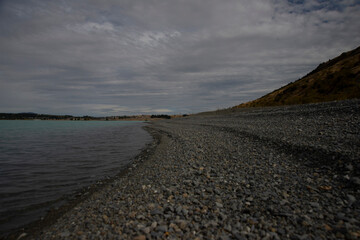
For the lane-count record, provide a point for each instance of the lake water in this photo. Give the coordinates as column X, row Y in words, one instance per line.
column 41, row 161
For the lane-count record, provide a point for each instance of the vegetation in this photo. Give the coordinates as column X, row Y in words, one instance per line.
column 35, row 116
column 161, row 116
column 22, row 116
column 337, row 79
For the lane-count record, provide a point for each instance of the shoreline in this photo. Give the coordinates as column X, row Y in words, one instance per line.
column 269, row 173
column 34, row 228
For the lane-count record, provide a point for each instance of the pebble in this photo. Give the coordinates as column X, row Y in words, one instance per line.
column 154, row 225
column 260, row 173
column 351, row 199
column 219, row 205
column 140, row 237
column 162, row 228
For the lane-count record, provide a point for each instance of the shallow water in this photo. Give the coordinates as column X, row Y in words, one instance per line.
column 41, row 161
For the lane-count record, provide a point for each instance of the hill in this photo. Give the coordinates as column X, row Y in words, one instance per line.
column 337, row 79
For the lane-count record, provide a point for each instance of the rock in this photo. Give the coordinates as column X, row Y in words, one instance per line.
column 154, row 225
column 22, row 236
column 175, row 227
column 234, row 207
column 105, row 218
column 351, row 199
column 140, row 237
column 162, row 228
column 151, row 206
column 182, row 224
column 146, row 230
column 249, row 199
column 315, row 204
column 156, row 212
column 349, row 167
column 224, row 237
column 211, row 223
column 65, row 234
column 228, row 228
column 140, row 217
column 219, row 205
column 355, row 180
column 179, row 210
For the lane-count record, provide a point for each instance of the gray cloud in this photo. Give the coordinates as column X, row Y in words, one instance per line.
column 132, row 57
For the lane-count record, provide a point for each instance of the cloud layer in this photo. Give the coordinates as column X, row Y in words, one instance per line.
column 138, row 57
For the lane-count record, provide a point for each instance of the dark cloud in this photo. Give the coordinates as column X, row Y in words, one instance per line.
column 130, row 57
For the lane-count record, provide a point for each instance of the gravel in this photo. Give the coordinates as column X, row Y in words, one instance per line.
column 261, row 173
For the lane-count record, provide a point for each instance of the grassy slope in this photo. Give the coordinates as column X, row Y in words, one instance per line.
column 337, row 79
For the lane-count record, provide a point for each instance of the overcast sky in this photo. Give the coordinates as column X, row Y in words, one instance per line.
column 123, row 57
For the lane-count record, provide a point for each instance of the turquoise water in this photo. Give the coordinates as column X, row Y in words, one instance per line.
column 41, row 161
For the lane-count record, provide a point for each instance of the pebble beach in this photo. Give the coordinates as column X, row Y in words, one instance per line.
column 262, row 173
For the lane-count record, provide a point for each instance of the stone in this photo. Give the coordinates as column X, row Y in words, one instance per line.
column 154, row 225
column 351, row 199
column 179, row 210
column 105, row 218
column 156, row 212
column 140, row 217
column 140, row 237
column 182, row 224
column 162, row 228
column 22, row 236
column 219, row 205
column 314, row 204
column 355, row 180
column 249, row 199
column 65, row 234
column 349, row 167
column 146, row 230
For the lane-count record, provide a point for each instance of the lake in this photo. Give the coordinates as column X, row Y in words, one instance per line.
column 41, row 161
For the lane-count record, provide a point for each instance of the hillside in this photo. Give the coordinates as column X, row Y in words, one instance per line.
column 337, row 79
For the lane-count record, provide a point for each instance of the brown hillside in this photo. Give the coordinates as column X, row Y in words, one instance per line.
column 337, row 79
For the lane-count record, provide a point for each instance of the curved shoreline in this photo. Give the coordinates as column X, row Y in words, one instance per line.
column 272, row 173
column 34, row 228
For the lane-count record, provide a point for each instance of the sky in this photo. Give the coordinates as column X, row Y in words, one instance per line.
column 126, row 57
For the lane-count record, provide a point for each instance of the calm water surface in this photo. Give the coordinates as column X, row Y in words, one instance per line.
column 41, row 161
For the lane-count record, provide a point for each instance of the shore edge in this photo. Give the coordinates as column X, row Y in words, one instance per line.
column 34, row 228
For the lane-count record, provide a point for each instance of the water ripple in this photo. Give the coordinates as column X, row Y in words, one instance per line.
column 40, row 161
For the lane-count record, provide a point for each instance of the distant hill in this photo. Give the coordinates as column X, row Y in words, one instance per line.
column 337, row 79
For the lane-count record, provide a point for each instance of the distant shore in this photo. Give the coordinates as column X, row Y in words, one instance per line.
column 277, row 172
column 35, row 116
